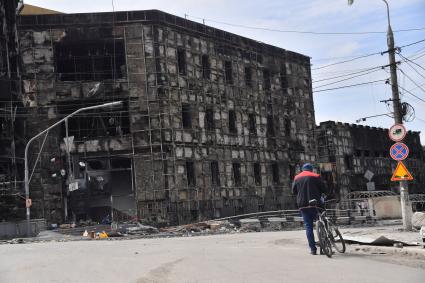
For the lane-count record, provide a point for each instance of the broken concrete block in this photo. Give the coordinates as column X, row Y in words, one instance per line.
column 418, row 219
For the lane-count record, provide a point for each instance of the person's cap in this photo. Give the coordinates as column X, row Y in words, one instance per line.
column 307, row 167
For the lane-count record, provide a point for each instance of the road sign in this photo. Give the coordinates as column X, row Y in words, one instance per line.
column 73, row 186
column 397, row 132
column 28, row 203
column 399, row 151
column 401, row 173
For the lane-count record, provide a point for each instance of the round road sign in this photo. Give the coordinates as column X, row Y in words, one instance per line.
column 397, row 132
column 399, row 151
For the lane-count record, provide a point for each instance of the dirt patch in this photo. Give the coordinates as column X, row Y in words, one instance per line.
column 160, row 274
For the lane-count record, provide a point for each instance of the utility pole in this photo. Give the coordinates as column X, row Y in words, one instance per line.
column 406, row 208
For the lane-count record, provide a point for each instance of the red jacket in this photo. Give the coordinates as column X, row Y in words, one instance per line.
column 308, row 186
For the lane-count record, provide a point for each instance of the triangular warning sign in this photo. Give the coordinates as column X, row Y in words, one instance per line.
column 401, row 173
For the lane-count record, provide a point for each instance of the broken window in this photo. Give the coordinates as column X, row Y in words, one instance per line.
column 95, row 123
column 237, row 174
column 89, row 60
column 275, row 173
column 215, row 174
column 266, row 79
column 251, row 124
column 120, row 163
column 283, row 78
column 206, row 68
column 232, row 122
column 209, row 119
column 348, row 162
column 257, row 173
column 270, row 126
column 248, row 76
column 287, row 127
column 186, row 116
column 96, row 165
column 190, row 173
column 181, row 60
column 228, row 72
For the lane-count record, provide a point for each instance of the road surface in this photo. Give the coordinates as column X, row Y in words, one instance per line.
column 250, row 257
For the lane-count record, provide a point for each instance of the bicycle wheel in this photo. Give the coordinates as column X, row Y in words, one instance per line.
column 325, row 243
column 336, row 238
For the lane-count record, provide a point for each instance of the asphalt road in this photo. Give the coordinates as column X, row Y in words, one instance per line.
column 251, row 257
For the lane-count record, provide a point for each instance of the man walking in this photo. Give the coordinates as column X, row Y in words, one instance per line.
column 308, row 186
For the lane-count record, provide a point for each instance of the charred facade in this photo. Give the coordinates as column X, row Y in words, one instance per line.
column 211, row 125
column 347, row 151
column 11, row 124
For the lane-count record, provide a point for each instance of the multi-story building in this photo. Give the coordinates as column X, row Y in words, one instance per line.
column 11, row 126
column 212, row 124
column 351, row 156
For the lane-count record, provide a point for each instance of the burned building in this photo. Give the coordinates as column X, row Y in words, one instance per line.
column 351, row 156
column 11, row 126
column 212, row 124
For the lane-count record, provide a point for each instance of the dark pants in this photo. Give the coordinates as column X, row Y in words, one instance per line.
column 309, row 215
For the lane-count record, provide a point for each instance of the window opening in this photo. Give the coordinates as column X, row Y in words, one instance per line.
column 232, row 122
column 237, row 174
column 215, row 173
column 186, row 116
column 181, row 60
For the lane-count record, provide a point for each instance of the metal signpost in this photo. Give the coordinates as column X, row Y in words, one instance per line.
column 46, row 131
column 399, row 151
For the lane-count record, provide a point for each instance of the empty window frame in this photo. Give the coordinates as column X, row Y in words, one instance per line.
column 232, row 122
column 257, row 173
column 181, row 61
column 266, row 79
column 287, row 125
column 237, row 174
column 190, row 173
column 206, row 67
column 270, row 126
column 97, row 123
column 252, row 127
column 209, row 119
column 89, row 60
column 275, row 173
column 215, row 173
column 248, row 76
column 186, row 116
column 228, row 72
column 283, row 78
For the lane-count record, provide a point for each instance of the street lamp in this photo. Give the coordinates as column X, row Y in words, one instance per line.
column 27, row 190
column 398, row 117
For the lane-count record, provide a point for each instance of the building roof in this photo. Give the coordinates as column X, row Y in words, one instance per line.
column 35, row 10
column 154, row 17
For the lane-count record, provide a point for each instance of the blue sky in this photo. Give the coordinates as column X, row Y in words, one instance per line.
column 345, row 105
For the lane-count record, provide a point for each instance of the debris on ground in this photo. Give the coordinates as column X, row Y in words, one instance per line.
column 418, row 219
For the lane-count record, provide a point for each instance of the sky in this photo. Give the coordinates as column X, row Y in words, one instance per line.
column 346, row 104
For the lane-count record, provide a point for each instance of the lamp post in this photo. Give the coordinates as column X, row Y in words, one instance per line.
column 26, row 181
column 398, row 117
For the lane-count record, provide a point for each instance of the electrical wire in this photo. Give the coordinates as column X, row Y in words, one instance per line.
column 353, row 85
column 346, row 75
column 303, row 32
column 346, row 79
column 366, row 55
column 410, row 79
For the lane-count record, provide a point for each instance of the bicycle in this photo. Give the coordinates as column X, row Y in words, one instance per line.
column 327, row 232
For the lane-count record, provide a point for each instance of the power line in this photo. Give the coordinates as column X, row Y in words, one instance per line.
column 407, row 59
column 411, row 93
column 347, row 86
column 346, row 79
column 410, row 79
column 366, row 55
column 303, row 32
column 346, row 61
column 346, row 75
